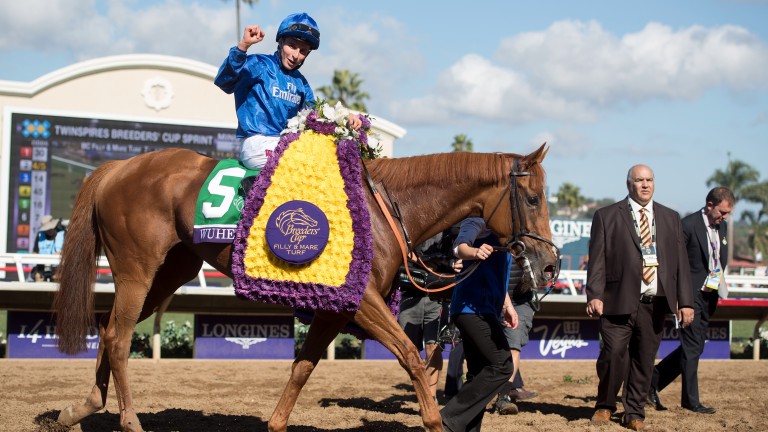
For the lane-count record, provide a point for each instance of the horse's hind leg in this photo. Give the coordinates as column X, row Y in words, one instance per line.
column 323, row 330
column 376, row 319
column 97, row 399
column 133, row 303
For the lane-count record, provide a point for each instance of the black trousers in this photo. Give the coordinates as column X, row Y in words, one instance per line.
column 627, row 355
column 455, row 370
column 489, row 367
column 685, row 359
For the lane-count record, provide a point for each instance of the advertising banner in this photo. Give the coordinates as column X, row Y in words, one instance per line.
column 572, row 237
column 33, row 335
column 373, row 350
column 243, row 337
column 718, row 345
column 551, row 339
column 48, row 156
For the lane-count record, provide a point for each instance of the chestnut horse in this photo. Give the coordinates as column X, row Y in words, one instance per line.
column 140, row 212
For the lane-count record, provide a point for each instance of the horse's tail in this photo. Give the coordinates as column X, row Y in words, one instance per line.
column 73, row 303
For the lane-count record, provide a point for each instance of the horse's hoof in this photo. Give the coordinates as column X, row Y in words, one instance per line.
column 66, row 416
column 131, row 424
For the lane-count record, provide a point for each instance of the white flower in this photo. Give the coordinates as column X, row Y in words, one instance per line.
column 341, row 114
column 337, row 114
column 341, row 132
column 297, row 123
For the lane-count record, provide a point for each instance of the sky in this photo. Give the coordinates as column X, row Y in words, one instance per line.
column 680, row 86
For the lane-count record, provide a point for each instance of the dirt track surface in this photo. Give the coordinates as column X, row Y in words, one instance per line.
column 352, row 396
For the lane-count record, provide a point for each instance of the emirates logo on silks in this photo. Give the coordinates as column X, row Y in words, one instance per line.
column 297, row 232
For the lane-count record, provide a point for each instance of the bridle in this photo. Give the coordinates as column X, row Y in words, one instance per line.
column 513, row 244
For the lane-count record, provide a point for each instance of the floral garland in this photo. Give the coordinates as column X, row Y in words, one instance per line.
column 350, row 145
column 332, row 120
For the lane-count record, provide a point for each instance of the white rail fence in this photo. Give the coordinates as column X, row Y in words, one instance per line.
column 570, row 282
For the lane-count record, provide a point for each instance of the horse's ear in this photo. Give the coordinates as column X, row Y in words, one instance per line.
column 537, row 156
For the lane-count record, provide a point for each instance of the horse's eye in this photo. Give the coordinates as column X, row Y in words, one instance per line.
column 533, row 200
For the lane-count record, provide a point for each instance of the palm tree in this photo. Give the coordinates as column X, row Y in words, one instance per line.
column 345, row 88
column 238, row 30
column 757, row 193
column 569, row 198
column 461, row 143
column 758, row 232
column 737, row 176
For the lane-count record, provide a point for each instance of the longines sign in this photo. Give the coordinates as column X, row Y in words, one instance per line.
column 243, row 337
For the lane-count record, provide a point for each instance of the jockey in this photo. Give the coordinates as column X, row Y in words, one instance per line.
column 269, row 89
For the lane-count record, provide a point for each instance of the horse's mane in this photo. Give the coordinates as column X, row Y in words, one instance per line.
column 442, row 169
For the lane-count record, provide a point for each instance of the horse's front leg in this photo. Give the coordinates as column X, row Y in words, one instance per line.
column 322, row 331
column 376, row 319
column 97, row 399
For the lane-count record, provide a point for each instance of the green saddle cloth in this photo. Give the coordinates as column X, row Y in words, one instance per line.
column 220, row 201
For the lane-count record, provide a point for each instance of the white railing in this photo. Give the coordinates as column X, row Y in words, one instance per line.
column 570, row 282
column 22, row 264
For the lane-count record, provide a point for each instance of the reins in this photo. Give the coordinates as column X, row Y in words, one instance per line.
column 403, row 248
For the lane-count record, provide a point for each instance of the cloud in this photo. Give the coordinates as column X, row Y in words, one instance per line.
column 574, row 70
column 564, row 143
column 584, row 62
column 90, row 29
column 475, row 87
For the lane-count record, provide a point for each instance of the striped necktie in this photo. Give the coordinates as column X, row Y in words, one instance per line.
column 649, row 273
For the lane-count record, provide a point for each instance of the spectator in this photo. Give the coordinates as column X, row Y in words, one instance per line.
column 422, row 317
column 49, row 241
column 705, row 233
column 638, row 273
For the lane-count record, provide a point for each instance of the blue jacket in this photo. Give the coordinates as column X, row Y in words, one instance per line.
column 49, row 247
column 266, row 96
column 484, row 290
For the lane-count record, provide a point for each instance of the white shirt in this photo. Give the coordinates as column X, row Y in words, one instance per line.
column 652, row 288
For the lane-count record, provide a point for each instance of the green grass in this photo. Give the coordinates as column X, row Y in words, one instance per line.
column 743, row 329
column 4, row 323
column 179, row 318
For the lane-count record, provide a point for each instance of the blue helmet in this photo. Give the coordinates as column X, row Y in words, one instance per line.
column 300, row 26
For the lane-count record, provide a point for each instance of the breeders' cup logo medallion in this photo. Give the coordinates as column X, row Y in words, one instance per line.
column 297, row 232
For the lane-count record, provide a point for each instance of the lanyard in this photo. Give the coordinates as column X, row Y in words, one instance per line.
column 713, row 244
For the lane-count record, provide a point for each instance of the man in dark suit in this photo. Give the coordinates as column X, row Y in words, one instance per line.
column 638, row 273
column 705, row 235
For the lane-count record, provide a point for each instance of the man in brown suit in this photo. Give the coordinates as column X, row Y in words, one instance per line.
column 638, row 273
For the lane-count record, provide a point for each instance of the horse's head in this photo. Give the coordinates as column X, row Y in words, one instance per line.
column 520, row 215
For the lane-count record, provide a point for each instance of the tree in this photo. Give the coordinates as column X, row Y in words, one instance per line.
column 461, row 143
column 737, row 176
column 758, row 232
column 345, row 88
column 237, row 8
column 570, row 199
column 757, row 193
